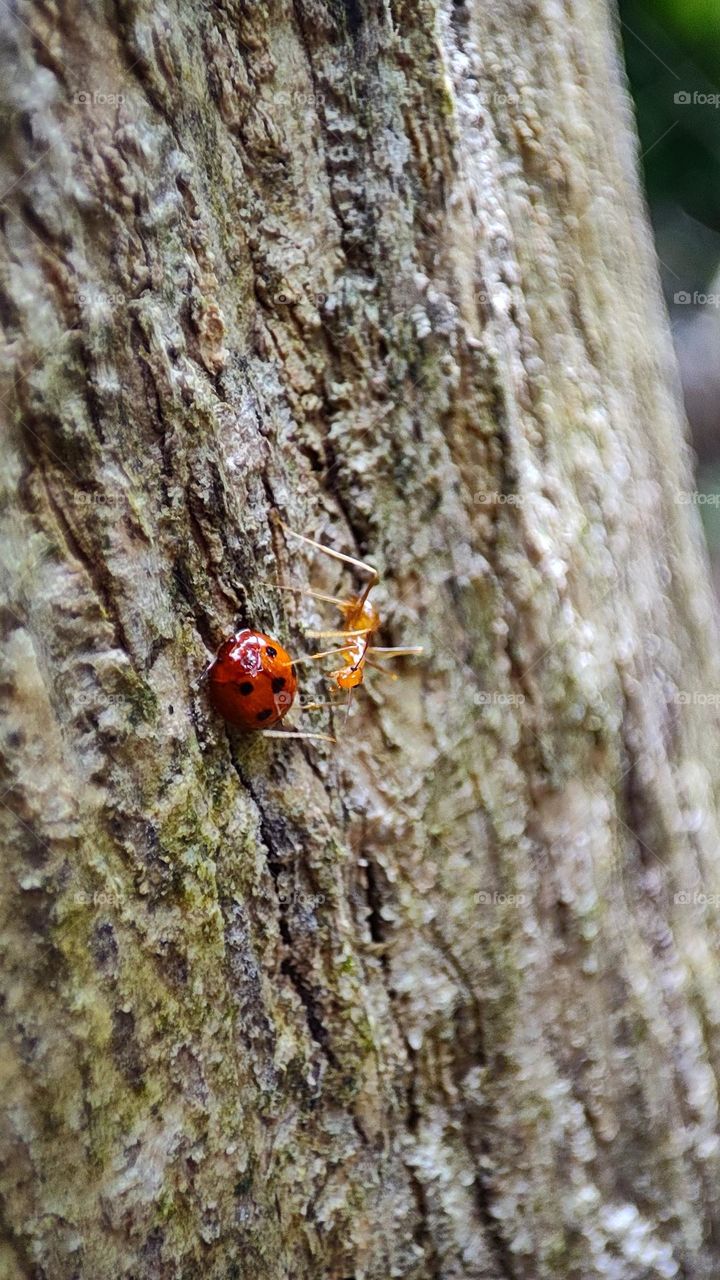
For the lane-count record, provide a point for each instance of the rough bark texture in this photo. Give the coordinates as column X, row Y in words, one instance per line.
column 442, row 1001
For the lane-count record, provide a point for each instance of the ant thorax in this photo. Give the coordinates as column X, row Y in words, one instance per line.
column 360, row 615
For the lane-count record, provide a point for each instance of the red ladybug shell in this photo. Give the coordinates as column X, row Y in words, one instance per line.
column 252, row 681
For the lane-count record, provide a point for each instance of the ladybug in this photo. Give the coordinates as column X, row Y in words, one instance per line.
column 252, row 681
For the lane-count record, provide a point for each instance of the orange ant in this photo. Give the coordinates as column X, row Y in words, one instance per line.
column 361, row 621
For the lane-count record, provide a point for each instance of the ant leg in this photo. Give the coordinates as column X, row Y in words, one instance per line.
column 312, row 657
column 336, row 704
column 289, row 733
column 336, row 555
column 396, row 653
column 361, row 631
column 376, row 666
column 348, row 705
column 307, row 591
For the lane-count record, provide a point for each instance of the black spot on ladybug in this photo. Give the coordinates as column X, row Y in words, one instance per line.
column 278, row 683
column 271, row 653
column 264, row 715
column 246, row 687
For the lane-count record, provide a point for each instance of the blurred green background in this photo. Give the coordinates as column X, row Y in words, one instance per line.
column 673, row 47
column 672, row 53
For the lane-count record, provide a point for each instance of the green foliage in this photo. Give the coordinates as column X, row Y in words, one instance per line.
column 673, row 47
column 697, row 21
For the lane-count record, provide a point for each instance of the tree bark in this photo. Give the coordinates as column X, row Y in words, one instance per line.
column 441, row 1000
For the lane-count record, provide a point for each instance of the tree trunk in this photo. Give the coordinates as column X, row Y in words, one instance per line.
column 442, row 1000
